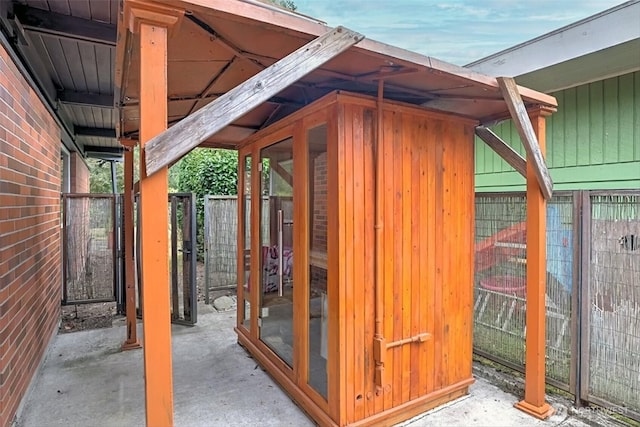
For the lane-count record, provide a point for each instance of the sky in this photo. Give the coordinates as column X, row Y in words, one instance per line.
column 456, row 31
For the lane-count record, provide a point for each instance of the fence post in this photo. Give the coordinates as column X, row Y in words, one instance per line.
column 65, row 248
column 584, row 296
column 193, row 216
column 131, row 342
column 574, row 368
column 205, row 244
column 175, row 298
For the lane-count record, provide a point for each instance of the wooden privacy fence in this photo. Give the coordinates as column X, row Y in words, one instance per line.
column 593, row 291
column 90, row 248
column 221, row 240
column 182, row 254
column 593, row 286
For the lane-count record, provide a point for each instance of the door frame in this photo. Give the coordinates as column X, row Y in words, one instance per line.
column 296, row 128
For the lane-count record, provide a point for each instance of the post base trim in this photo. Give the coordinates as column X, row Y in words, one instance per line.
column 541, row 412
column 131, row 345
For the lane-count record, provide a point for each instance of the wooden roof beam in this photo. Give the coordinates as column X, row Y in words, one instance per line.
column 245, row 131
column 523, row 124
column 85, row 98
column 503, row 149
column 178, row 140
column 386, row 72
column 94, row 132
column 111, row 154
column 65, row 26
column 260, row 62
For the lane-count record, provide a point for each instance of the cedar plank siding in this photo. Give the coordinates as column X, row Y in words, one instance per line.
column 428, row 209
column 30, row 270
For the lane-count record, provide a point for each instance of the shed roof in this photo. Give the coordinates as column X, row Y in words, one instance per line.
column 221, row 43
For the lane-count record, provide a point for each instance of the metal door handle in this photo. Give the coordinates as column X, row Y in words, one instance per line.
column 280, row 258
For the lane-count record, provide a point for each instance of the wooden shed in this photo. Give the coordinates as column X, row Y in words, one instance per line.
column 357, row 288
column 356, row 225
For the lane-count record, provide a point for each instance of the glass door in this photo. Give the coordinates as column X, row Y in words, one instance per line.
column 318, row 228
column 276, row 265
column 245, row 241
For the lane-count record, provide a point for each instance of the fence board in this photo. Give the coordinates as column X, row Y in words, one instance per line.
column 614, row 306
column 89, row 248
column 598, row 255
column 221, row 239
column 500, row 281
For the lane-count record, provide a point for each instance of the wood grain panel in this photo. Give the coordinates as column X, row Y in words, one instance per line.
column 469, row 232
column 396, row 352
column 335, row 249
column 438, row 256
column 406, row 127
column 371, row 400
column 387, row 247
column 448, row 237
column 427, row 246
column 337, row 299
column 350, row 248
column 427, row 217
column 417, row 325
column 356, row 114
column 301, row 251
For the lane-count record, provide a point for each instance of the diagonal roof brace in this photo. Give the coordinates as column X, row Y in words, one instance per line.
column 178, row 140
column 504, row 150
column 522, row 121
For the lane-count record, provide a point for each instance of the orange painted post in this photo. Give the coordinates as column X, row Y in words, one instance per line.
column 534, row 392
column 131, row 341
column 153, row 227
column 151, row 22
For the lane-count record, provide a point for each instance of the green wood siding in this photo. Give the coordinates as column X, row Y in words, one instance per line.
column 593, row 141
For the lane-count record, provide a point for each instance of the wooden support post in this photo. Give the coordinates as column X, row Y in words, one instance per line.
column 535, row 153
column 131, row 342
column 151, row 22
column 534, row 393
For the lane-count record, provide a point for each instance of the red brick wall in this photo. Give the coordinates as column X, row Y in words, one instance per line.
column 319, row 232
column 319, row 226
column 79, row 174
column 30, row 268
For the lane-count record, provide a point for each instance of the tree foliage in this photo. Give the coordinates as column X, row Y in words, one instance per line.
column 287, row 4
column 207, row 172
column 100, row 176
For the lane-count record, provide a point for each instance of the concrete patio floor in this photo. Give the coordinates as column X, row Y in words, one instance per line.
column 87, row 381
